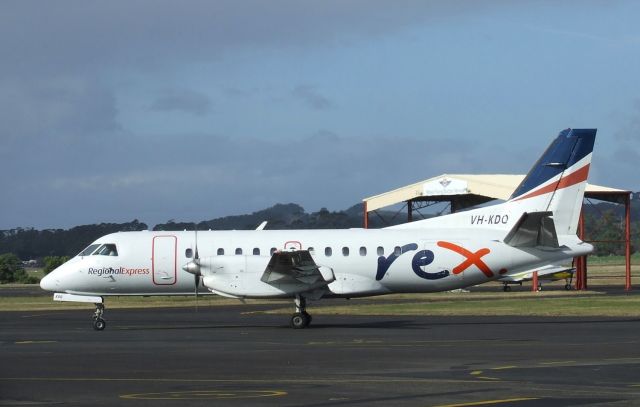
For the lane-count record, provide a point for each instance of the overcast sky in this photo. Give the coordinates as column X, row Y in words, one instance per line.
column 191, row 110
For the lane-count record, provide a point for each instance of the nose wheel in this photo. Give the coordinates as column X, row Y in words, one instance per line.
column 301, row 319
column 98, row 323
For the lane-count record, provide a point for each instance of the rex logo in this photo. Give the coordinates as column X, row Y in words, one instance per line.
column 425, row 257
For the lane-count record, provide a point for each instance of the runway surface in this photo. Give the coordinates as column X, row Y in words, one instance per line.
column 233, row 356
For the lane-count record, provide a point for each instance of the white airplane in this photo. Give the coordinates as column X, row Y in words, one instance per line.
column 535, row 227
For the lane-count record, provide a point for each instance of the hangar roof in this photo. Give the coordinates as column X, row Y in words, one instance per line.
column 447, row 186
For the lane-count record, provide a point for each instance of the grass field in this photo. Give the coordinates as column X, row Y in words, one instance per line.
column 552, row 301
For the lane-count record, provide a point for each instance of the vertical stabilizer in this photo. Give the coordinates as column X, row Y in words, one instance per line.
column 557, row 181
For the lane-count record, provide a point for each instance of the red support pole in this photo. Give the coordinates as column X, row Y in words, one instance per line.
column 534, row 282
column 578, row 276
column 585, row 273
column 627, row 233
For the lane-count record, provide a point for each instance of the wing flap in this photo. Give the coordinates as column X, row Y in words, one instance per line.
column 296, row 267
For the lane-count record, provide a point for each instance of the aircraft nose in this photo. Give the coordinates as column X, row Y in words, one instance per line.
column 49, row 282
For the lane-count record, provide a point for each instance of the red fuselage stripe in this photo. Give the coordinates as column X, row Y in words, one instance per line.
column 571, row 179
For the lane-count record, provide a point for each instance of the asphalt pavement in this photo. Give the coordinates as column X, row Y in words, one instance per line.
column 237, row 355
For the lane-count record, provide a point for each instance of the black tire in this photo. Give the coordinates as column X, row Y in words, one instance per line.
column 99, row 324
column 567, row 287
column 506, row 288
column 309, row 317
column 300, row 320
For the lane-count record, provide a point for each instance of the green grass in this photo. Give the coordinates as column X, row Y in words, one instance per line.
column 551, row 303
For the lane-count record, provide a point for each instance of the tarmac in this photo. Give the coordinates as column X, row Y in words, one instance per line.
column 238, row 356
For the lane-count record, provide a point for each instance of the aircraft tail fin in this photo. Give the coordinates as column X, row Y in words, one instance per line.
column 557, row 181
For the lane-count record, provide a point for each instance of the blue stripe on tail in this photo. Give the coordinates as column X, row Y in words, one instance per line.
column 568, row 148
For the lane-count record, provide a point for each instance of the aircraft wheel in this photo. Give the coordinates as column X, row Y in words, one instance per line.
column 308, row 316
column 506, row 288
column 99, row 324
column 567, row 287
column 300, row 320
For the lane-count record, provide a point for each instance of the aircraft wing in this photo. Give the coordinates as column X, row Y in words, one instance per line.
column 296, row 267
column 548, row 272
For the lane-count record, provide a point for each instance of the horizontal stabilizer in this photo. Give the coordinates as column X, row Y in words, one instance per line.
column 535, row 229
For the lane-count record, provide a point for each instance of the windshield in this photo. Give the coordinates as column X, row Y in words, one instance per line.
column 107, row 249
column 88, row 250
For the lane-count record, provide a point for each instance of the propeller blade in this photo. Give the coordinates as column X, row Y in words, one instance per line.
column 197, row 281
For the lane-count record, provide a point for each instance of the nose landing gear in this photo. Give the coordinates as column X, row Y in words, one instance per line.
column 98, row 323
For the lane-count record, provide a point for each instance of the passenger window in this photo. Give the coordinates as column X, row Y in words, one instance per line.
column 256, row 251
column 327, row 251
column 108, row 249
column 88, row 250
column 273, row 250
column 397, row 251
column 345, row 251
column 363, row 251
column 380, row 251
column 238, row 251
column 188, row 253
column 221, row 252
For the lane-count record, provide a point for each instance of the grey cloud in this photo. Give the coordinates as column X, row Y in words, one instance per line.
column 311, row 97
column 57, row 110
column 629, row 130
column 185, row 101
column 77, row 36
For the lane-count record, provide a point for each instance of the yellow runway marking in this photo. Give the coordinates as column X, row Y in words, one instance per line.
column 562, row 362
column 503, row 367
column 488, row 402
column 206, row 395
column 32, row 342
column 253, row 381
column 477, row 374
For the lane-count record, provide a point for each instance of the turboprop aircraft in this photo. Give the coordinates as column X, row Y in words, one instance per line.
column 536, row 226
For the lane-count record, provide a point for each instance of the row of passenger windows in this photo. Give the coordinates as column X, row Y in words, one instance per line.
column 328, row 251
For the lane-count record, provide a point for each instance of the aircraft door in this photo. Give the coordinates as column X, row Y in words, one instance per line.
column 164, row 260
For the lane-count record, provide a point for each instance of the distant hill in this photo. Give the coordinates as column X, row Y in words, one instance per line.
column 284, row 216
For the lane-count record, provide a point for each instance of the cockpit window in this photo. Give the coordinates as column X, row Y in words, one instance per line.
column 88, row 250
column 107, row 249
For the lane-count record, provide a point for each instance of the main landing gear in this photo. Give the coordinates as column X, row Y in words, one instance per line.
column 98, row 323
column 301, row 319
